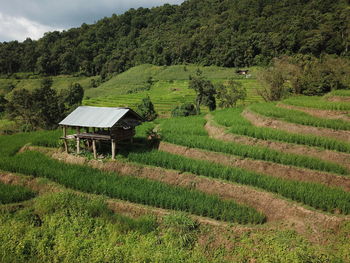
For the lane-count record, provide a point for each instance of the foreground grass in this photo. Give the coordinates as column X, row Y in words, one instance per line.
column 298, row 117
column 129, row 188
column 66, row 227
column 190, row 132
column 14, row 193
column 233, row 119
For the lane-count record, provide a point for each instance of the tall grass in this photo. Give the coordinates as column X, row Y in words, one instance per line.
column 317, row 102
column 189, row 131
column 130, row 188
column 315, row 195
column 298, row 117
column 14, row 193
column 239, row 125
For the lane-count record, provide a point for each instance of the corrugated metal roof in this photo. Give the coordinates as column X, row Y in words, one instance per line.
column 99, row 117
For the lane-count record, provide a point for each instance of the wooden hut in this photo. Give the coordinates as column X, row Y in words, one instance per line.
column 100, row 124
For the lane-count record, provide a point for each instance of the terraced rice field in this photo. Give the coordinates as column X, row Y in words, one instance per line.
column 169, row 88
column 221, row 168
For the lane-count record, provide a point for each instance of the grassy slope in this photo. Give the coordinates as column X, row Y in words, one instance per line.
column 170, row 86
column 59, row 82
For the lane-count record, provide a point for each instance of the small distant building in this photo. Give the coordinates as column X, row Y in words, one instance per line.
column 242, row 71
column 100, row 124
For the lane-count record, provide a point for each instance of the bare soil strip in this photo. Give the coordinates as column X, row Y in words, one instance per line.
column 326, row 114
column 278, row 211
column 339, row 99
column 262, row 121
column 219, row 132
column 269, row 168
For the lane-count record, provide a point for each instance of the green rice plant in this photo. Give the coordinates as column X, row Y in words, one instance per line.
column 14, row 193
column 190, row 132
column 340, row 92
column 233, row 119
column 130, row 188
column 298, row 117
column 317, row 102
column 312, row 194
column 69, row 203
column 10, row 145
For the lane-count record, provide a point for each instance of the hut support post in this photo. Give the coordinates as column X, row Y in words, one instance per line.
column 78, row 140
column 94, row 148
column 78, row 145
column 65, row 140
column 113, row 149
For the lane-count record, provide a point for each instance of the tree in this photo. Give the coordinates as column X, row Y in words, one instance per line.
column 146, row 109
column 3, row 103
column 48, row 109
column 304, row 74
column 75, row 95
column 42, row 108
column 21, row 107
column 184, row 110
column 205, row 91
column 273, row 84
column 228, row 95
column 46, row 82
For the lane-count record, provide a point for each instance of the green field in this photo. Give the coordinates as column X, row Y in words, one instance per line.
column 77, row 224
column 169, row 88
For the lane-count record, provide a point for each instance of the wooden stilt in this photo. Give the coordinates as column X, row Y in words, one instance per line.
column 78, row 140
column 78, row 145
column 65, row 140
column 65, row 146
column 113, row 149
column 94, row 148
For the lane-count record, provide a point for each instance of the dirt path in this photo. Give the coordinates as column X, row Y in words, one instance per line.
column 219, row 132
column 326, row 114
column 272, row 169
column 339, row 99
column 262, row 121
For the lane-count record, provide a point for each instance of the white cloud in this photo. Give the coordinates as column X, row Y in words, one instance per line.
column 19, row 28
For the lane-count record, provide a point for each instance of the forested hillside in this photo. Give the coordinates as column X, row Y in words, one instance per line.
column 209, row 32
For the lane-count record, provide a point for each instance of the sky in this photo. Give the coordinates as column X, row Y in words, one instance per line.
column 20, row 19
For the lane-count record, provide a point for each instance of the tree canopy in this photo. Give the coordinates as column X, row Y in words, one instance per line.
column 208, row 32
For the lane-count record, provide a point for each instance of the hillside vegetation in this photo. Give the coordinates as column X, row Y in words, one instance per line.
column 210, row 32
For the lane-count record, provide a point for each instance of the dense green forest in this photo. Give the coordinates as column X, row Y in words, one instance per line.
column 208, row 32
